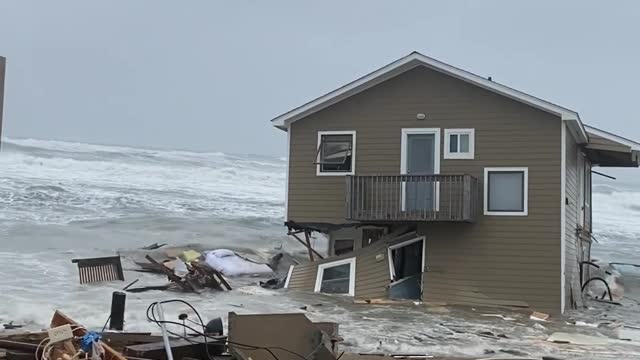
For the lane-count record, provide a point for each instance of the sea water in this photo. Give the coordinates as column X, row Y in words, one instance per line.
column 62, row 200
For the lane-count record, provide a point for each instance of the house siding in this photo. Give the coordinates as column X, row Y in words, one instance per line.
column 372, row 275
column 509, row 260
column 573, row 253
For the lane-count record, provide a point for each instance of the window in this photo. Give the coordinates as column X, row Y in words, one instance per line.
column 459, row 143
column 337, row 277
column 506, row 191
column 336, row 153
column 341, row 247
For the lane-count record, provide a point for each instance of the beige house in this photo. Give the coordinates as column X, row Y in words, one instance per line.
column 433, row 183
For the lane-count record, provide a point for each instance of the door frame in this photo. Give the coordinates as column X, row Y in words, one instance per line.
column 392, row 270
column 405, row 132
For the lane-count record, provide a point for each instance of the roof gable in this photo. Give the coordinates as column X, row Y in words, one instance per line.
column 414, row 60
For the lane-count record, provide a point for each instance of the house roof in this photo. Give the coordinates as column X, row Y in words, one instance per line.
column 607, row 149
column 416, row 59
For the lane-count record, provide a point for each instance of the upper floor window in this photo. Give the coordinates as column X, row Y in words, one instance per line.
column 506, row 191
column 336, row 153
column 459, row 143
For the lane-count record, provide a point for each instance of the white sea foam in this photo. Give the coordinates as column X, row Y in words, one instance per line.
column 61, row 200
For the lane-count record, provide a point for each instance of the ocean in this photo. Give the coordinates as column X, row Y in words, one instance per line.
column 63, row 200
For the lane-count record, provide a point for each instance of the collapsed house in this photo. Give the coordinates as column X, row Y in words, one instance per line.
column 436, row 184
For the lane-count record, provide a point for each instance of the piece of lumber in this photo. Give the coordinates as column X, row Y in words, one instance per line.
column 172, row 276
column 221, row 279
column 305, row 245
column 18, row 345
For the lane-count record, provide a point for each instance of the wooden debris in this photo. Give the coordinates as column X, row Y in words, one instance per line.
column 60, row 319
column 539, row 316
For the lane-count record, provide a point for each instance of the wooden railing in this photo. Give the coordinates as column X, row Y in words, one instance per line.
column 412, row 198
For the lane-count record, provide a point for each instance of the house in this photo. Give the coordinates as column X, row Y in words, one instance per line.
column 2, row 72
column 433, row 183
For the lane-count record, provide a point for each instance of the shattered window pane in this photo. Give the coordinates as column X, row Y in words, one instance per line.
column 335, row 153
column 335, row 280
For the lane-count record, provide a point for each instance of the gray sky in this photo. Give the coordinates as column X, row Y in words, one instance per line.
column 209, row 75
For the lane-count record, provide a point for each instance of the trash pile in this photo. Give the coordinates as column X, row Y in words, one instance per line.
column 251, row 337
column 187, row 269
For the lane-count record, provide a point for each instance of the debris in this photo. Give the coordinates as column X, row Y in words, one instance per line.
column 273, row 284
column 11, row 326
column 506, row 318
column 539, row 327
column 513, row 352
column 192, row 347
column 231, row 264
column 630, row 333
column 190, row 256
column 153, row 246
column 99, row 269
column 582, row 323
column 302, row 337
column 130, row 284
column 577, row 339
column 116, row 318
column 149, row 288
column 539, row 316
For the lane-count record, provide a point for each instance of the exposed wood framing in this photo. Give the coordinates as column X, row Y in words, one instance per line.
column 306, row 243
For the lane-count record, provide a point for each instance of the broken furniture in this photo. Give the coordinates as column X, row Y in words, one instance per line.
column 92, row 270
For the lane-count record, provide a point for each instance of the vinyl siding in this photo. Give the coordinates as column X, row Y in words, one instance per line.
column 573, row 294
column 371, row 275
column 490, row 261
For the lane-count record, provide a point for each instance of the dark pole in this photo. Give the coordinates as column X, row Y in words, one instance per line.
column 117, row 310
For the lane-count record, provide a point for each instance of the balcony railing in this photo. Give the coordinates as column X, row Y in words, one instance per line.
column 412, row 198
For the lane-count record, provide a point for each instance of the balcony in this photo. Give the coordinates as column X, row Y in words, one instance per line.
column 390, row 198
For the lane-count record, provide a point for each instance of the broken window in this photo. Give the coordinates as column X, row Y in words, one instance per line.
column 335, row 154
column 369, row 236
column 341, row 247
column 337, row 277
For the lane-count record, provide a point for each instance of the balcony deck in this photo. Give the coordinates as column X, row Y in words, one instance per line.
column 389, row 198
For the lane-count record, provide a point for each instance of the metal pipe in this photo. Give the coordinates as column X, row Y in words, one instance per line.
column 165, row 336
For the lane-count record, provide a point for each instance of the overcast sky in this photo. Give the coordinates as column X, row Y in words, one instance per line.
column 209, row 75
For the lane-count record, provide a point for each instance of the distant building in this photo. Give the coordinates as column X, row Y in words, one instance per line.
column 436, row 184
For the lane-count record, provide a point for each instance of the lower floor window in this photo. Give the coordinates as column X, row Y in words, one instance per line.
column 336, row 277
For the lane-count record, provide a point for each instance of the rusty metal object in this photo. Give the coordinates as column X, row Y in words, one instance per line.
column 99, row 269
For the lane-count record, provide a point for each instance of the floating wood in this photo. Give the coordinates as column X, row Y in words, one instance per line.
column 99, row 269
column 172, row 276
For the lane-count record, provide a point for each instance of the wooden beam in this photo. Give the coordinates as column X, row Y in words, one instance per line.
column 307, row 246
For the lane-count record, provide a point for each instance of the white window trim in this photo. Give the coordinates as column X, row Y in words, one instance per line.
column 353, row 153
column 352, row 274
column 436, row 161
column 472, row 143
column 392, row 270
column 286, row 282
column 525, row 190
